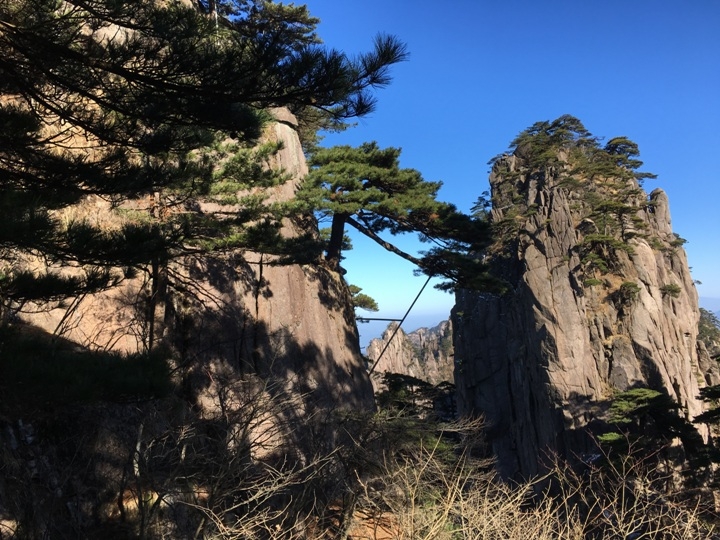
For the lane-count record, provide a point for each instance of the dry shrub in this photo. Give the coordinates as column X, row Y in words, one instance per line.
column 629, row 496
column 422, row 496
column 270, row 505
column 233, row 471
column 432, row 498
column 222, row 477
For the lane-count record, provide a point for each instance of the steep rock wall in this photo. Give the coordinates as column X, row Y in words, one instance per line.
column 234, row 314
column 543, row 361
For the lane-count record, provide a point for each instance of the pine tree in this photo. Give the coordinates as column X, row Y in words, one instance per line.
column 124, row 100
column 605, row 180
column 362, row 300
column 709, row 332
column 366, row 189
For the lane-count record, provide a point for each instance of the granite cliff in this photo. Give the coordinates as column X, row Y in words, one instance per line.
column 231, row 314
column 425, row 353
column 599, row 299
column 264, row 360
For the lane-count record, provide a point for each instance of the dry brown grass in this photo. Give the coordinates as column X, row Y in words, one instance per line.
column 422, row 496
column 215, row 479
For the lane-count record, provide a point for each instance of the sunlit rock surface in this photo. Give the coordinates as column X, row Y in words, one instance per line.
column 425, row 353
column 543, row 361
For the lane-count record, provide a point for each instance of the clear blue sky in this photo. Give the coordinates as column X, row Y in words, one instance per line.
column 481, row 71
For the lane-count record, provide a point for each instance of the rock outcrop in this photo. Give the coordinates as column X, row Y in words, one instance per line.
column 425, row 353
column 600, row 300
column 234, row 314
column 263, row 357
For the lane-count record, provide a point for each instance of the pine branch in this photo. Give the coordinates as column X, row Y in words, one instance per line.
column 387, row 245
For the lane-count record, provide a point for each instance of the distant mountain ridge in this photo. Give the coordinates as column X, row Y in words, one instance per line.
column 425, row 353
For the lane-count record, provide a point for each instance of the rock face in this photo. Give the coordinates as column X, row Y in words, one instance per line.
column 600, row 300
column 265, row 359
column 425, row 353
column 236, row 314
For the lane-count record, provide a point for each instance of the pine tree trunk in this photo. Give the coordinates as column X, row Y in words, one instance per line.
column 337, row 233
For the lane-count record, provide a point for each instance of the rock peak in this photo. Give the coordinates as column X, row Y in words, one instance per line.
column 600, row 300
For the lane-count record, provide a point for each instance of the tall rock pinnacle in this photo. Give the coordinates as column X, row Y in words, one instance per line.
column 600, row 299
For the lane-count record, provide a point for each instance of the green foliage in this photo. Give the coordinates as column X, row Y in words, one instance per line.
column 666, row 246
column 628, row 292
column 171, row 113
column 481, row 208
column 413, row 397
column 404, row 393
column 649, row 419
column 506, row 228
column 609, row 213
column 678, row 241
column 593, row 261
column 671, row 289
column 446, row 344
column 623, row 152
column 325, row 237
column 627, row 407
column 709, row 330
column 25, row 285
column 612, row 438
column 605, row 241
column 361, row 300
column 711, row 396
column 366, row 189
column 598, row 252
column 564, row 153
column 239, row 168
column 656, row 243
column 540, row 143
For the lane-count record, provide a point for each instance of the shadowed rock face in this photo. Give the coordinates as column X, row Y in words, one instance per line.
column 264, row 355
column 543, row 361
column 235, row 314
